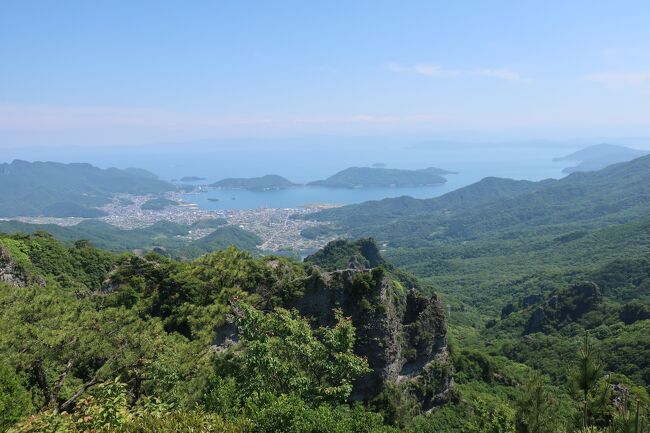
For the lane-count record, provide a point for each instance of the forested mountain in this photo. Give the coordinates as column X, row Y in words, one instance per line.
column 528, row 268
column 617, row 193
column 163, row 236
column 115, row 340
column 62, row 190
column 229, row 343
column 390, row 209
column 505, row 306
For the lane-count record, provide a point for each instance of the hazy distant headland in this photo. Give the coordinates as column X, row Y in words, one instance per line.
column 599, row 156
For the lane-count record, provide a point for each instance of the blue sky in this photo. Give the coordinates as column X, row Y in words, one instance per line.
column 136, row 72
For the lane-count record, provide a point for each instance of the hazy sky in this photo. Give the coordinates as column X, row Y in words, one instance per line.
column 126, row 72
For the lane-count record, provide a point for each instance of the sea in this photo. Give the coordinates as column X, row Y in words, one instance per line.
column 306, row 160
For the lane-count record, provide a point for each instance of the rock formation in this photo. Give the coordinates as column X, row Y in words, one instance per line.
column 401, row 333
column 10, row 272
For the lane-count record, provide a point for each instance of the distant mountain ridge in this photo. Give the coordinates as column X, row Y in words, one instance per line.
column 64, row 190
column 389, row 209
column 619, row 193
column 376, row 177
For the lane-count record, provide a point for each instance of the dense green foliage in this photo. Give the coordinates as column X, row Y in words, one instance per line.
column 547, row 285
column 61, row 190
column 157, row 204
column 15, row 401
column 163, row 235
column 362, row 253
column 371, row 177
column 129, row 350
column 528, row 267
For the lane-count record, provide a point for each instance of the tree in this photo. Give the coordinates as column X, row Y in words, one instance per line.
column 536, row 408
column 15, row 401
column 279, row 353
column 67, row 347
column 585, row 376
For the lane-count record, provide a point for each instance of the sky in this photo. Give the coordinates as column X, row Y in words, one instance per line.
column 140, row 72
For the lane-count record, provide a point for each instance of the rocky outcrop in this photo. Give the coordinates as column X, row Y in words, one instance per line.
column 10, row 272
column 341, row 254
column 402, row 334
column 562, row 307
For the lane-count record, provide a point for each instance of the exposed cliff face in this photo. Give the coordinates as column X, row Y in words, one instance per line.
column 10, row 271
column 562, row 307
column 402, row 334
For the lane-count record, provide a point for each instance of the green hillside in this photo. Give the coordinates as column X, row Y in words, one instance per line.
column 63, row 190
column 162, row 235
column 503, row 207
column 499, row 306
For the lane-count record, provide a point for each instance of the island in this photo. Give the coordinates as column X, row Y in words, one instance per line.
column 158, row 204
column 270, row 182
column 374, row 177
column 192, row 179
column 599, row 156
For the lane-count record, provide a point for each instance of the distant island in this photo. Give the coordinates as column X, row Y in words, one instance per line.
column 54, row 189
column 599, row 156
column 373, row 177
column 378, row 165
column 158, row 204
column 192, row 179
column 270, row 182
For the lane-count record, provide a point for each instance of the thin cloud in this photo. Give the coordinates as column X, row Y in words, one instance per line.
column 624, row 78
column 428, row 70
column 437, row 71
column 500, row 73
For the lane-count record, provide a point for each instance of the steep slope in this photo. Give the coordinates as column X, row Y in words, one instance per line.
column 403, row 335
column 401, row 332
column 342, row 254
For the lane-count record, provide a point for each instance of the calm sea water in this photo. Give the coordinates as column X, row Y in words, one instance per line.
column 318, row 159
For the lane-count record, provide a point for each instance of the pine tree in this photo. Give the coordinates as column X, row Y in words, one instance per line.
column 536, row 408
column 585, row 376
